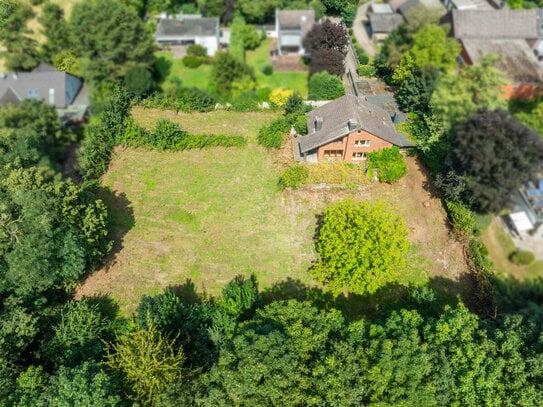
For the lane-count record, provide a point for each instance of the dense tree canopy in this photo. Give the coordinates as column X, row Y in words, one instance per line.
column 111, row 38
column 55, row 29
column 19, row 48
column 361, row 246
column 494, row 154
column 326, row 44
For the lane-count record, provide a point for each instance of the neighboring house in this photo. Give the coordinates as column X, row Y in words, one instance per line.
column 416, row 6
column 518, row 62
column 468, row 5
column 527, row 214
column 347, row 129
column 188, row 30
column 515, row 35
column 291, row 26
column 45, row 82
column 382, row 20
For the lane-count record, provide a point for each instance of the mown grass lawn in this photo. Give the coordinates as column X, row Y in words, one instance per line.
column 500, row 246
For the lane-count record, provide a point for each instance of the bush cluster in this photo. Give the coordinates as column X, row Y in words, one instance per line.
column 273, row 134
column 389, row 164
column 461, row 216
column 323, row 86
column 184, row 99
column 192, row 62
column 294, row 176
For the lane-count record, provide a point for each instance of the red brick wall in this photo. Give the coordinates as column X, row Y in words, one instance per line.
column 521, row 91
column 347, row 146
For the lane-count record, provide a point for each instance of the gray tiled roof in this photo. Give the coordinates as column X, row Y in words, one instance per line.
column 336, row 116
column 518, row 63
column 42, row 80
column 384, row 22
column 497, row 24
column 296, row 19
column 189, row 27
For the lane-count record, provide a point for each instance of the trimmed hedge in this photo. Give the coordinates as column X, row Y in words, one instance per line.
column 192, row 62
column 522, row 258
column 185, row 100
column 294, row 176
column 267, row 69
column 323, row 86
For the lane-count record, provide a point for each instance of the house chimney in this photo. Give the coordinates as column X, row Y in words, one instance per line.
column 318, row 123
column 352, row 124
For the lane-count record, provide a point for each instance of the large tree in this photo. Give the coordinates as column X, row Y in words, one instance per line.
column 19, row 48
column 494, row 154
column 56, row 31
column 361, row 246
column 111, row 38
column 474, row 87
column 326, row 43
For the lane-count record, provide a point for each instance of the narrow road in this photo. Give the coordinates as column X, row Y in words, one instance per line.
column 360, row 32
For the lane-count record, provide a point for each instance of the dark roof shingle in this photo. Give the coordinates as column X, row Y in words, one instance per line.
column 189, row 27
column 384, row 22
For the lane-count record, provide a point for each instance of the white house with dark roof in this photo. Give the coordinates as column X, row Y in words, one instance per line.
column 346, row 129
column 189, row 30
column 291, row 26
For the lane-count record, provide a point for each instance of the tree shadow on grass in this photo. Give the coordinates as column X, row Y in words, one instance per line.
column 120, row 221
column 429, row 299
column 188, row 293
column 107, row 306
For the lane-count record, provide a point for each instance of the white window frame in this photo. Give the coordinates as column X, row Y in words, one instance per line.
column 362, row 143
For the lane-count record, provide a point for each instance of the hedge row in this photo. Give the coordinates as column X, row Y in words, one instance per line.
column 167, row 135
column 184, row 99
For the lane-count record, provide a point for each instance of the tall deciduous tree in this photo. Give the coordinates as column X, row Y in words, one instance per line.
column 361, row 246
column 20, row 49
column 229, row 74
column 56, row 31
column 460, row 95
column 494, row 154
column 111, row 38
column 327, row 45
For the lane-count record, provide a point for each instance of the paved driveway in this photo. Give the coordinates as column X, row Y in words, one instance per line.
column 359, row 30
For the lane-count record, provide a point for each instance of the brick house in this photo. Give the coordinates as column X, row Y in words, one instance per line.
column 347, row 129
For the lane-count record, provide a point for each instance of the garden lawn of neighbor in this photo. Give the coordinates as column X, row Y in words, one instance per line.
column 173, row 70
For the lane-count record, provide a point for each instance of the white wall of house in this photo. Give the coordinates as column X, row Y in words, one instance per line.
column 211, row 43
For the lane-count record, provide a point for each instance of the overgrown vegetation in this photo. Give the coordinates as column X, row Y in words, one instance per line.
column 388, row 163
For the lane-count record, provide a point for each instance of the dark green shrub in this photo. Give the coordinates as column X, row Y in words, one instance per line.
column 522, row 257
column 139, row 81
column 197, row 50
column 294, row 176
column 195, row 99
column 461, row 216
column 166, row 135
column 363, row 58
column 295, row 104
column 389, row 164
column 273, row 135
column 323, row 86
column 300, row 125
column 192, row 62
column 267, row 69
